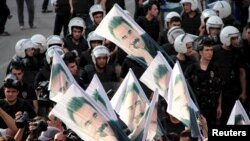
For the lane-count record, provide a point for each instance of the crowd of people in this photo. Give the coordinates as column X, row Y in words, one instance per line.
column 208, row 39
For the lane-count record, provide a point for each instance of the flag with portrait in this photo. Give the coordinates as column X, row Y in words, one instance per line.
column 60, row 78
column 157, row 75
column 148, row 129
column 80, row 113
column 120, row 28
column 130, row 101
column 238, row 115
column 97, row 92
column 180, row 104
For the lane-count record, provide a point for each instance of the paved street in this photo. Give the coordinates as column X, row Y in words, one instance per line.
column 44, row 22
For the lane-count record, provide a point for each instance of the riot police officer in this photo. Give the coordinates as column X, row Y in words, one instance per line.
column 229, row 58
column 76, row 40
column 204, row 79
column 96, row 13
column 93, row 41
column 105, row 72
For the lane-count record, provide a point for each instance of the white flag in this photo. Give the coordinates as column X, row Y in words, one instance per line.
column 97, row 92
column 148, row 129
column 78, row 111
column 121, row 29
column 130, row 101
column 60, row 78
column 180, row 104
column 157, row 75
column 238, row 115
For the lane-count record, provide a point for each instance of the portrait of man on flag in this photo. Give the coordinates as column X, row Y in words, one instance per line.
column 91, row 121
column 157, row 75
column 122, row 30
column 80, row 113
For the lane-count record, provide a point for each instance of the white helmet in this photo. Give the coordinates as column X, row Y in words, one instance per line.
column 215, row 22
column 76, row 22
column 181, row 41
column 99, row 51
column 227, row 33
column 169, row 16
column 22, row 45
column 194, row 3
column 94, row 9
column 223, row 7
column 92, row 36
column 54, row 40
column 207, row 13
column 173, row 33
column 40, row 40
column 50, row 52
column 18, row 46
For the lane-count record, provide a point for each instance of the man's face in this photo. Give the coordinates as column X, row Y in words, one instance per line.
column 73, row 68
column 11, row 94
column 175, row 23
column 214, row 31
column 128, row 36
column 76, row 33
column 207, row 53
column 18, row 73
column 189, row 47
column 91, row 122
column 235, row 41
column 30, row 52
column 154, row 11
column 98, row 18
column 187, row 7
column 95, row 43
column 101, row 61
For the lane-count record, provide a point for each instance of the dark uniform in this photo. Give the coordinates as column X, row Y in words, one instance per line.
column 163, row 38
column 206, row 85
column 151, row 27
column 41, row 85
column 138, row 71
column 246, row 50
column 85, row 59
column 90, row 29
column 229, row 62
column 70, row 45
column 4, row 13
column 107, row 78
column 81, row 9
column 189, row 60
column 62, row 9
column 110, row 4
column 191, row 25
